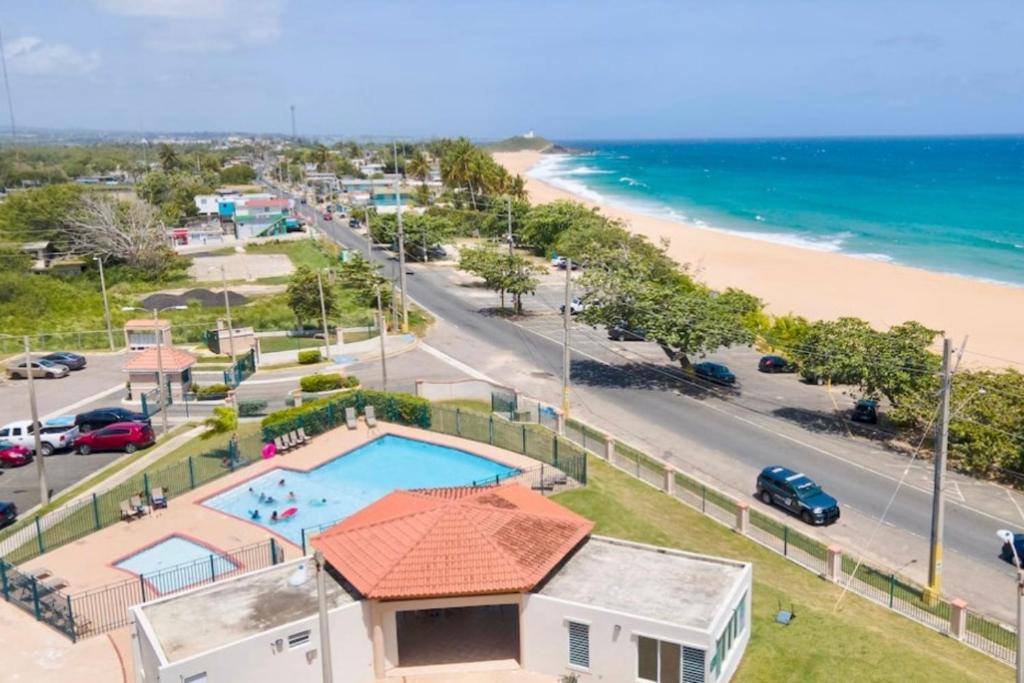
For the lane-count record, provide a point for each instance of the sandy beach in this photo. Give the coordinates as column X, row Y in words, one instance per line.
column 827, row 285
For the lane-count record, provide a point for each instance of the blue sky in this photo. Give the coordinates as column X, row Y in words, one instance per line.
column 568, row 69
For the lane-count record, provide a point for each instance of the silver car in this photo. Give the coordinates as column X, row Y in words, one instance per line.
column 41, row 369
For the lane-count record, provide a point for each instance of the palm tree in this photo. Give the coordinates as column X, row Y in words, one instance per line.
column 517, row 188
column 168, row 157
column 222, row 421
column 418, row 166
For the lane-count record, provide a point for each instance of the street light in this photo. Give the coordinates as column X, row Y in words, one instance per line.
column 159, row 356
column 1006, row 536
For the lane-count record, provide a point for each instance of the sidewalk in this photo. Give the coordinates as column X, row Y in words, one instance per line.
column 348, row 354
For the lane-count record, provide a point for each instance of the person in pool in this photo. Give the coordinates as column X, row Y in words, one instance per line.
column 318, row 503
column 251, row 491
column 254, row 514
column 269, row 500
column 273, row 516
column 291, row 495
column 281, row 483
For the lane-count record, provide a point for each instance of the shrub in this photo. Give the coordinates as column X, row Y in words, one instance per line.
column 329, row 382
column 251, row 407
column 210, row 391
column 309, row 356
column 325, row 413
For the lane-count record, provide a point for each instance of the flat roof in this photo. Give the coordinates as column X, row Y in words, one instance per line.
column 656, row 583
column 233, row 609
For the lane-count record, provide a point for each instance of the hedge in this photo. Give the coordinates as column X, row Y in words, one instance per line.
column 309, row 356
column 251, row 407
column 328, row 382
column 210, row 391
column 326, row 413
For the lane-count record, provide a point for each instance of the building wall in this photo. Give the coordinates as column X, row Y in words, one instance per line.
column 144, row 655
column 267, row 657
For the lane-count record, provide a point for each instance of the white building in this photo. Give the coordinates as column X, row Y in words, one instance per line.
column 483, row 578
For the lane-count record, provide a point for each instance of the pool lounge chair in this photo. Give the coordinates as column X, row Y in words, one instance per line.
column 157, row 497
column 289, row 439
column 371, row 417
column 136, row 503
column 296, row 439
column 128, row 512
column 39, row 573
column 350, row 417
column 54, row 583
column 280, row 444
column 302, row 435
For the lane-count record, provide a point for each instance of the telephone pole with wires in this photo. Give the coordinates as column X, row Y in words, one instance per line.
column 934, row 589
column 566, row 324
column 7, row 88
column 401, row 241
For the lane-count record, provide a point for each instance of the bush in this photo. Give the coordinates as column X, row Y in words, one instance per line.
column 325, row 413
column 314, row 383
column 251, row 407
column 309, row 356
column 210, row 392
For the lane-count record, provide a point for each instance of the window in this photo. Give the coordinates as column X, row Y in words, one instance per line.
column 298, row 639
column 693, row 665
column 579, row 645
column 195, row 678
column 660, row 661
column 732, row 632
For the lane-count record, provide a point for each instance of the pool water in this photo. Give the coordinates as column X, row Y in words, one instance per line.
column 192, row 563
column 348, row 483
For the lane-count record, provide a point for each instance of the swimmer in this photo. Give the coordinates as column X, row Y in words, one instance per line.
column 263, row 498
column 251, row 491
column 270, row 500
column 254, row 514
column 281, row 483
column 273, row 517
column 291, row 495
column 318, row 503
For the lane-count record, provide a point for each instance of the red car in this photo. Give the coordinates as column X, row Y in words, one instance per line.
column 120, row 436
column 12, row 455
column 328, row 216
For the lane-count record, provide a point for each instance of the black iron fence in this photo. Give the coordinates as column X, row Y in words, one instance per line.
column 40, row 598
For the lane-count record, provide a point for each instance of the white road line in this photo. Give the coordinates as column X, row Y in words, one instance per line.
column 85, row 401
column 789, row 438
column 1014, row 501
column 457, row 364
column 960, row 493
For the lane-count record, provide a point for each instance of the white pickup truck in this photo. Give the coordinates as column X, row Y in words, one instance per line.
column 56, row 434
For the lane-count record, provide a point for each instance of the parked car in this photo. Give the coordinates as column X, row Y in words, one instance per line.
column 8, row 513
column 120, row 436
column 51, row 441
column 13, row 455
column 775, row 364
column 622, row 332
column 353, row 223
column 561, row 262
column 437, row 252
column 1006, row 554
column 797, row 494
column 102, row 417
column 328, row 216
column 575, row 306
column 866, row 410
column 73, row 361
column 714, row 372
column 41, row 369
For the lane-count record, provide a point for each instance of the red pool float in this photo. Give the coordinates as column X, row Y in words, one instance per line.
column 290, row 512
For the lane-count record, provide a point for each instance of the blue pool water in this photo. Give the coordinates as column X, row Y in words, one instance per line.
column 352, row 482
column 177, row 552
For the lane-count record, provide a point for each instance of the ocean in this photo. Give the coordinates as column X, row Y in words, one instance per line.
column 953, row 205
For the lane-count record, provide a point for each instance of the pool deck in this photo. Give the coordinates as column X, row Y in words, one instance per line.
column 90, row 562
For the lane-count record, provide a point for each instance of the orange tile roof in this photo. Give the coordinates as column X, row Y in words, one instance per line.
column 448, row 542
column 174, row 360
column 145, row 324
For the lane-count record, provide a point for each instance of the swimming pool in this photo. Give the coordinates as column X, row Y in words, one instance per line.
column 350, row 482
column 192, row 563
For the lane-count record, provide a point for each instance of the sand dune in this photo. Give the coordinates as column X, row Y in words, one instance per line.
column 828, row 285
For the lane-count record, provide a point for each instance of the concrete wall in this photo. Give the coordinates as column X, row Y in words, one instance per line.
column 464, row 388
column 144, row 654
column 613, row 639
column 267, row 658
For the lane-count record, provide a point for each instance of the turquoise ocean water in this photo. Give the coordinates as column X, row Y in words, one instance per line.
column 953, row 205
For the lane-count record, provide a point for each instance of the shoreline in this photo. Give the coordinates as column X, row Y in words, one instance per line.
column 823, row 284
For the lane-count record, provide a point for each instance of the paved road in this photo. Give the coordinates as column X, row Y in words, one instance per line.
column 727, row 440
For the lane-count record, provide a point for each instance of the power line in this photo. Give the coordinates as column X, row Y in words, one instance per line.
column 7, row 87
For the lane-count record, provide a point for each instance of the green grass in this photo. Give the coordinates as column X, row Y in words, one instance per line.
column 199, row 445
column 476, row 405
column 272, row 344
column 315, row 254
column 858, row 641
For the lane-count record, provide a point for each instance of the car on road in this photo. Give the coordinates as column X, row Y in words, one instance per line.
column 576, row 305
column 714, row 372
column 775, row 364
column 1006, row 554
column 103, row 417
column 8, row 513
column 73, row 361
column 41, row 369
column 623, row 332
column 327, row 216
column 561, row 262
column 120, row 436
column 13, row 455
column 353, row 223
column 797, row 494
column 51, row 439
column 865, row 410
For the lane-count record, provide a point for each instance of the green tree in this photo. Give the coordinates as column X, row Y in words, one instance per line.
column 547, row 222
column 501, row 272
column 364, row 279
column 418, row 166
column 40, row 214
column 304, row 296
column 785, row 333
column 240, row 174
column 223, row 421
column 168, row 157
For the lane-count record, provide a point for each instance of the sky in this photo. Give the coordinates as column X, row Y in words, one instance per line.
column 568, row 69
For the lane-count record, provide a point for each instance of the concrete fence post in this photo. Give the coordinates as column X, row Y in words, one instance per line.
column 958, row 619
column 419, row 385
column 669, row 486
column 834, row 563
column 609, row 448
column 742, row 518
column 560, row 423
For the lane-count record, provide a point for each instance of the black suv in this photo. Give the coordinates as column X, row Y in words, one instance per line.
column 775, row 364
column 103, row 417
column 796, row 493
column 866, row 410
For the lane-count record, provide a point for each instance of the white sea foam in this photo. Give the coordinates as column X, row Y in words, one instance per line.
column 552, row 171
column 632, row 182
column 884, row 258
column 759, row 218
column 586, row 170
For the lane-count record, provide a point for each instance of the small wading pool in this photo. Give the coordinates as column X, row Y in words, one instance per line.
column 193, row 563
column 350, row 482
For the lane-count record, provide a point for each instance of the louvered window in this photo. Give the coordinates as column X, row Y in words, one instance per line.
column 693, row 665
column 579, row 644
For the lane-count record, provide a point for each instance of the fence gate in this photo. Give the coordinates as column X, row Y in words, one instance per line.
column 151, row 400
column 241, row 370
column 503, row 403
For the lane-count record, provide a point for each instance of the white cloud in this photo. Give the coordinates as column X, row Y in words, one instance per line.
column 203, row 25
column 34, row 56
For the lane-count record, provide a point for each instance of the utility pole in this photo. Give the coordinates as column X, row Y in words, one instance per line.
column 227, row 306
column 292, row 107
column 323, row 316
column 934, row 589
column 7, row 88
column 566, row 323
column 325, row 622
column 401, row 242
column 44, row 489
column 510, row 225
column 369, row 239
column 382, row 332
column 106, row 303
column 160, row 370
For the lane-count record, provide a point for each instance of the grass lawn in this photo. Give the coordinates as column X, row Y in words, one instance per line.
column 475, row 405
column 272, row 344
column 315, row 254
column 858, row 641
column 198, row 446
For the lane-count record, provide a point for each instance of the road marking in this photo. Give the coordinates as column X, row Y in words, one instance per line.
column 85, row 401
column 786, row 436
column 457, row 364
column 1014, row 501
column 960, row 493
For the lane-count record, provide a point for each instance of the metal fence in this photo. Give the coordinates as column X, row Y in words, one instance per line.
column 106, row 608
column 38, row 598
column 243, row 367
column 34, row 536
